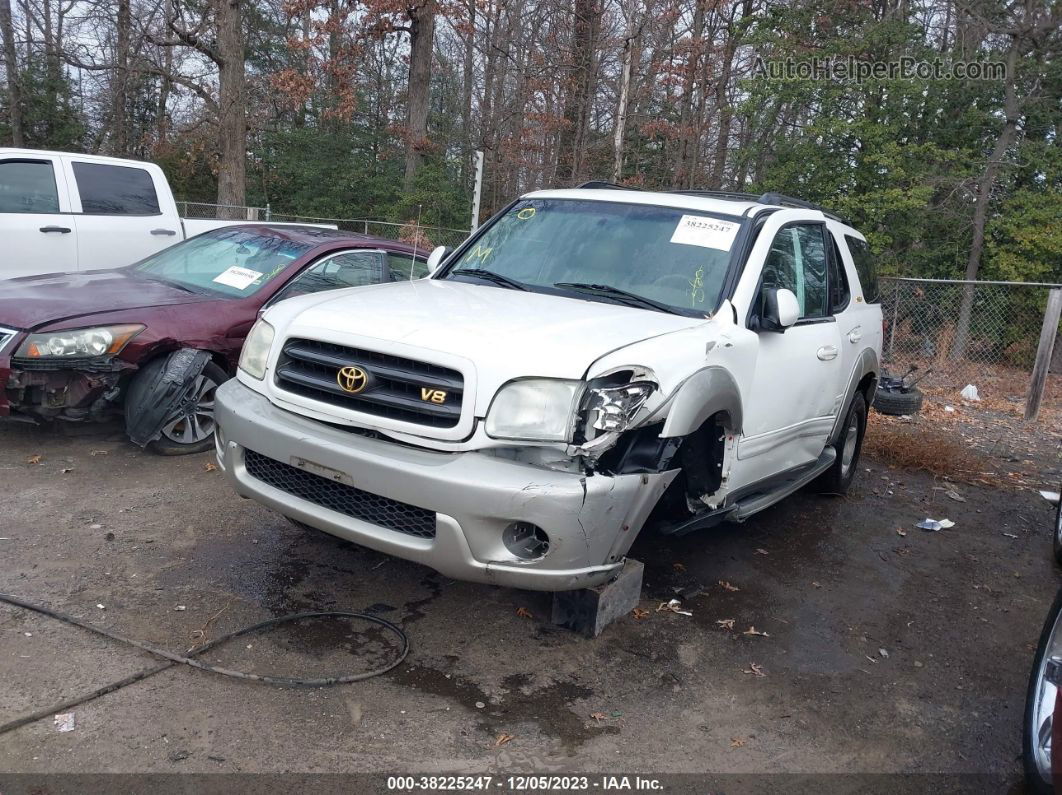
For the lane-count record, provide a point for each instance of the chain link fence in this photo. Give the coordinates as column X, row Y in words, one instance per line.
column 958, row 333
column 426, row 237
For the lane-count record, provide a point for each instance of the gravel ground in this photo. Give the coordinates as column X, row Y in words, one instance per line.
column 880, row 653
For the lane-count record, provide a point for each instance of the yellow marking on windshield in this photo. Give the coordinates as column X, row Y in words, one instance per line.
column 526, row 214
column 480, row 252
column 697, row 288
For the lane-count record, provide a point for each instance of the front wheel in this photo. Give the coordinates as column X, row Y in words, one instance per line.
column 838, row 477
column 1040, row 705
column 192, row 431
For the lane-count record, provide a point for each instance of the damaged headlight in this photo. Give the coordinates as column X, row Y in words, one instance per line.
column 102, row 341
column 534, row 409
column 609, row 407
column 255, row 353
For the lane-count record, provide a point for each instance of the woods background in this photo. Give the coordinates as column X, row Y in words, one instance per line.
column 371, row 108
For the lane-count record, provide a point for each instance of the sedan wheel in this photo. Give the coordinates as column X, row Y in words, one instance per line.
column 1040, row 703
column 194, row 424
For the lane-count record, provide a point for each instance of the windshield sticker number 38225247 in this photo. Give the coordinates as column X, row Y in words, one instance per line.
column 697, row 230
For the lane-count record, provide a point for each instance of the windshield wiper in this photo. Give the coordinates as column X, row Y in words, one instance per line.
column 170, row 282
column 616, row 292
column 490, row 276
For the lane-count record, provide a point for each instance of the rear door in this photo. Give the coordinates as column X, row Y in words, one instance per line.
column 36, row 229
column 123, row 212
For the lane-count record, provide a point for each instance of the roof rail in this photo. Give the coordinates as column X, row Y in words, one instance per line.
column 599, row 183
column 720, row 194
column 781, row 200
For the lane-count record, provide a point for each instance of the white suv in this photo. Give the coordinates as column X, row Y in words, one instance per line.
column 589, row 359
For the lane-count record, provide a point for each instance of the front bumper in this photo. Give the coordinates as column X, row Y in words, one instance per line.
column 591, row 520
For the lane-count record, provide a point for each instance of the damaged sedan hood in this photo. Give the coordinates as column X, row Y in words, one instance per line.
column 34, row 301
column 499, row 334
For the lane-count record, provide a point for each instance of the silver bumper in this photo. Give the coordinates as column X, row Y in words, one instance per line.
column 591, row 520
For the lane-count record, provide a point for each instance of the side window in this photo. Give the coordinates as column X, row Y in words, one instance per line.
column 797, row 262
column 839, row 291
column 402, row 264
column 865, row 267
column 28, row 186
column 115, row 190
column 349, row 269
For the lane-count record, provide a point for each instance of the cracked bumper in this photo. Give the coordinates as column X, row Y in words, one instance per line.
column 591, row 520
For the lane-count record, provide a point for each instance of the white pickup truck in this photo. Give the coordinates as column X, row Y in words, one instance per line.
column 69, row 212
column 587, row 360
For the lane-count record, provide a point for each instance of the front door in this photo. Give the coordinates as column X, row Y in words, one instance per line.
column 797, row 376
column 36, row 227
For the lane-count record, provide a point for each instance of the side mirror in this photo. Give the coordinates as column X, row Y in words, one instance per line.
column 780, row 309
column 435, row 259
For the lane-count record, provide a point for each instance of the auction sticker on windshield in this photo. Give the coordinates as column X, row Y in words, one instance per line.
column 697, row 230
column 240, row 278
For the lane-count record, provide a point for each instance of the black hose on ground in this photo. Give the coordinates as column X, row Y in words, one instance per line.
column 189, row 659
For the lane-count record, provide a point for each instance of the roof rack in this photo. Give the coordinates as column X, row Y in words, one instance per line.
column 772, row 198
column 600, row 183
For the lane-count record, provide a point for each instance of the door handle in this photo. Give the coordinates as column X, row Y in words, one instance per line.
column 855, row 335
column 827, row 352
column 61, row 229
column 163, row 232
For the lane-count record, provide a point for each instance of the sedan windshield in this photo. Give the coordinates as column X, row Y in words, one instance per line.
column 232, row 262
column 658, row 258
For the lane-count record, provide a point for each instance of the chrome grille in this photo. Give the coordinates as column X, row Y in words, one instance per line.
column 341, row 498
column 396, row 385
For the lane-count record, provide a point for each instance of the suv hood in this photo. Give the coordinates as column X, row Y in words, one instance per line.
column 491, row 333
column 33, row 301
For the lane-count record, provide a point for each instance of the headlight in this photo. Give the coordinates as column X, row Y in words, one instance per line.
column 610, row 408
column 102, row 341
column 255, row 351
column 534, row 409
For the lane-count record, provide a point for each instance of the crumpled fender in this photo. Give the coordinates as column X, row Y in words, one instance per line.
column 159, row 391
column 706, row 392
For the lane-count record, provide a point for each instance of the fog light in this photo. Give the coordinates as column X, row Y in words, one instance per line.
column 526, row 541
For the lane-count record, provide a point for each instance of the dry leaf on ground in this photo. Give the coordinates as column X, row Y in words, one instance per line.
column 725, row 623
column 523, row 612
column 753, row 631
column 640, row 613
column 598, row 716
column 726, row 586
column 34, row 459
column 755, row 669
column 503, row 739
column 737, row 742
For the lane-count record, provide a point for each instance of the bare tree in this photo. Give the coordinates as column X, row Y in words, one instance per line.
column 14, row 95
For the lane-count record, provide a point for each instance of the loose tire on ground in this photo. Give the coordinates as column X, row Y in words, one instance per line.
column 898, row 403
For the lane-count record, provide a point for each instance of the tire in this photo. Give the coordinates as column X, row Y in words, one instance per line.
column 898, row 403
column 1039, row 702
column 1058, row 533
column 839, row 476
column 169, row 443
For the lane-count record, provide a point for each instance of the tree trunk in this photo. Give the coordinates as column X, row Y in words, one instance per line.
column 119, row 83
column 421, row 45
column 14, row 93
column 467, row 83
column 578, row 96
column 985, row 185
column 232, row 115
column 621, row 105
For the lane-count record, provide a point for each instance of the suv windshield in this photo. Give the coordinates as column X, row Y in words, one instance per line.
column 661, row 258
column 232, row 262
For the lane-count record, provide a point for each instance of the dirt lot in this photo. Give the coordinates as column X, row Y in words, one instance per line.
column 882, row 652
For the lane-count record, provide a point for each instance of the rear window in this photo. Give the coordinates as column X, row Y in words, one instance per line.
column 865, row 267
column 115, row 190
column 27, row 186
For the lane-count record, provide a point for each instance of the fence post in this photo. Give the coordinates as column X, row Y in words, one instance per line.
column 1043, row 353
column 269, row 211
column 895, row 314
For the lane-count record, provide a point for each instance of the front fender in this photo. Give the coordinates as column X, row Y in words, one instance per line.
column 708, row 391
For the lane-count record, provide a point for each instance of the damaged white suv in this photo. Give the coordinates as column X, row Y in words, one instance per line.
column 588, row 360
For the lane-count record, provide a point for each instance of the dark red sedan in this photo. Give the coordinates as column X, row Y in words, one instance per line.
column 153, row 340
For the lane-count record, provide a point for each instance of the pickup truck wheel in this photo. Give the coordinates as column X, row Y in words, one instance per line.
column 193, row 432
column 838, row 477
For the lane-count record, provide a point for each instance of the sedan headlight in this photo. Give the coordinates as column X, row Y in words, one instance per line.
column 255, row 353
column 102, row 341
column 534, row 409
column 610, row 407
